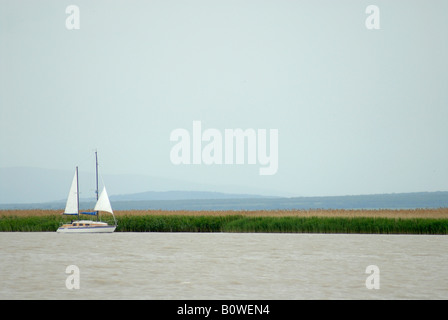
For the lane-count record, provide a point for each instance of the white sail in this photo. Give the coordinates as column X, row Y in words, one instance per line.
column 103, row 203
column 71, row 206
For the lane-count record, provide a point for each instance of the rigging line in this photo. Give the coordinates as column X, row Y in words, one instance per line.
column 102, row 181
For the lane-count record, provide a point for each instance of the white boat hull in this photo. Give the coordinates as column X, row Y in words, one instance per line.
column 95, row 229
column 86, row 226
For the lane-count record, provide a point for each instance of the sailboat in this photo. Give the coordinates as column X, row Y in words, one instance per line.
column 72, row 208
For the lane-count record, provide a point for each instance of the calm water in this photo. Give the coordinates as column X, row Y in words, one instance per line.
column 222, row 266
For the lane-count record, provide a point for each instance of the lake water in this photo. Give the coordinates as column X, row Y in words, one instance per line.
column 222, row 266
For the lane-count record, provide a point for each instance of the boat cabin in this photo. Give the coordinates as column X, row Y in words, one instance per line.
column 85, row 223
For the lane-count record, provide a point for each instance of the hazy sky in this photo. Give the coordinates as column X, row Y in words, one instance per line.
column 357, row 111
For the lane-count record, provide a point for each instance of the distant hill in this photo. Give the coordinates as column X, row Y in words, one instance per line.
column 178, row 200
column 34, row 185
column 25, row 188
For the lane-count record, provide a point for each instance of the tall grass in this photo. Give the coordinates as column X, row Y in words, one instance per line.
column 240, row 223
column 173, row 223
column 37, row 223
column 338, row 225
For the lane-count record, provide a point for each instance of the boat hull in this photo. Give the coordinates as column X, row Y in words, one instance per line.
column 91, row 229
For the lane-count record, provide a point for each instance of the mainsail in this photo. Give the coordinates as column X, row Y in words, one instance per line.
column 71, row 206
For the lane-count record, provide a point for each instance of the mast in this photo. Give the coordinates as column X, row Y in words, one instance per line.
column 77, row 190
column 96, row 160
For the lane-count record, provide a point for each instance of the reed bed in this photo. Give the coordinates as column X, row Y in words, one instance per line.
column 438, row 213
column 30, row 223
column 424, row 221
column 285, row 224
column 423, row 213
